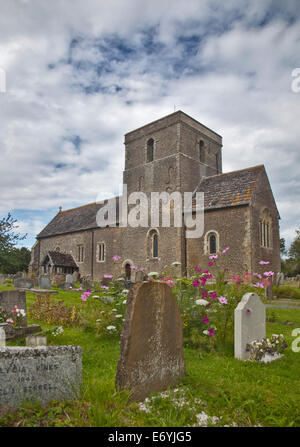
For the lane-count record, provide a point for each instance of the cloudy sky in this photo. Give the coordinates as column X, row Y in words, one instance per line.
column 82, row 73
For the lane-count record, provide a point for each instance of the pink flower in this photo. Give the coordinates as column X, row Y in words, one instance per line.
column 104, row 287
column 210, row 263
column 269, row 273
column 116, row 258
column 222, row 300
column 168, row 281
column 225, row 249
column 213, row 295
column 205, row 319
column 197, row 269
column 211, row 332
column 204, row 294
column 258, row 284
column 264, row 262
column 213, row 257
column 107, row 276
column 133, row 267
column 196, row 283
column 9, row 320
column 249, row 311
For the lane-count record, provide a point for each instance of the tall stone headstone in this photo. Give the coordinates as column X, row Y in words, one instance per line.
column 75, row 276
column 69, row 278
column 152, row 345
column 39, row 373
column 249, row 324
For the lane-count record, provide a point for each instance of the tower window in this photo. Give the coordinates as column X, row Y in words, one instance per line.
column 155, row 245
column 201, row 151
column 152, row 244
column 212, row 244
column 265, row 229
column 217, row 162
column 150, row 150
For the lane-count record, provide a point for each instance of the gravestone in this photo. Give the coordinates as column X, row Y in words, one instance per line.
column 269, row 289
column 36, row 340
column 69, row 278
column 152, row 346
column 23, row 283
column 11, row 298
column 279, row 279
column 39, row 373
column 2, row 338
column 65, row 286
column 139, row 276
column 75, row 276
column 249, row 324
column 44, row 282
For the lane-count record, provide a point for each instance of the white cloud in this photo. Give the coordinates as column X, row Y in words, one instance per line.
column 231, row 70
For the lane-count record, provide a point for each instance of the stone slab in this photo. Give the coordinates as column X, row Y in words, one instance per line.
column 249, row 324
column 39, row 373
column 152, row 345
column 44, row 282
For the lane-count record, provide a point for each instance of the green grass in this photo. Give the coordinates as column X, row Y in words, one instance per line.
column 236, row 392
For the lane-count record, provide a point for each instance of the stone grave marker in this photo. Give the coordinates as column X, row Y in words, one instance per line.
column 23, row 283
column 152, row 346
column 139, row 276
column 39, row 373
column 2, row 338
column 69, row 278
column 11, row 298
column 44, row 282
column 75, row 276
column 249, row 323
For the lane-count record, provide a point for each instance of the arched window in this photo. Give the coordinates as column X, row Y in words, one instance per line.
column 150, row 150
column 201, row 151
column 211, row 243
column 128, row 272
column 265, row 229
column 152, row 244
column 155, row 245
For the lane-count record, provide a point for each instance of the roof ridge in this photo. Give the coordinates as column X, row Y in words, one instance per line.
column 84, row 206
column 233, row 172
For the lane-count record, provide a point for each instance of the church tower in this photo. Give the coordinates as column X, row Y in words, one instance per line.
column 171, row 154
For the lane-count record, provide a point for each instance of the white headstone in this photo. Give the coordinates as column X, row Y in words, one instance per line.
column 249, row 324
column 2, row 338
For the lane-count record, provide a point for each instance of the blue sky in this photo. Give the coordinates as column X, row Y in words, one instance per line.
column 82, row 74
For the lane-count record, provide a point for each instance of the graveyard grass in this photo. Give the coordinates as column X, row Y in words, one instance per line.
column 217, row 390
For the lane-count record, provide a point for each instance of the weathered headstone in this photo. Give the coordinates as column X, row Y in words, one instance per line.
column 44, row 282
column 40, row 373
column 249, row 324
column 75, row 276
column 65, row 286
column 11, row 298
column 69, row 278
column 152, row 346
column 23, row 283
column 2, row 338
column 269, row 289
column 279, row 279
column 139, row 276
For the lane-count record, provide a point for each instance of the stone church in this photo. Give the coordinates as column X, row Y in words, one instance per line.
column 174, row 153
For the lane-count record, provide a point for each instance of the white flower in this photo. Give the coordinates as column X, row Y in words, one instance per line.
column 125, row 301
column 205, row 332
column 176, row 263
column 111, row 328
column 99, row 319
column 119, row 316
column 114, row 310
column 201, row 302
column 95, row 296
column 153, row 274
column 124, row 292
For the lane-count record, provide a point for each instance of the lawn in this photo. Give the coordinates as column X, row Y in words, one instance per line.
column 217, row 390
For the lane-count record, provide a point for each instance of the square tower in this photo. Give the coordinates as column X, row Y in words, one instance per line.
column 171, row 154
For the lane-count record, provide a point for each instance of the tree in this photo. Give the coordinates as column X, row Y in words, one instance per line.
column 10, row 257
column 282, row 246
column 294, row 253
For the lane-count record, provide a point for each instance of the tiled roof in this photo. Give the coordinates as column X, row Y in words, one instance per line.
column 61, row 259
column 76, row 219
column 231, row 189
